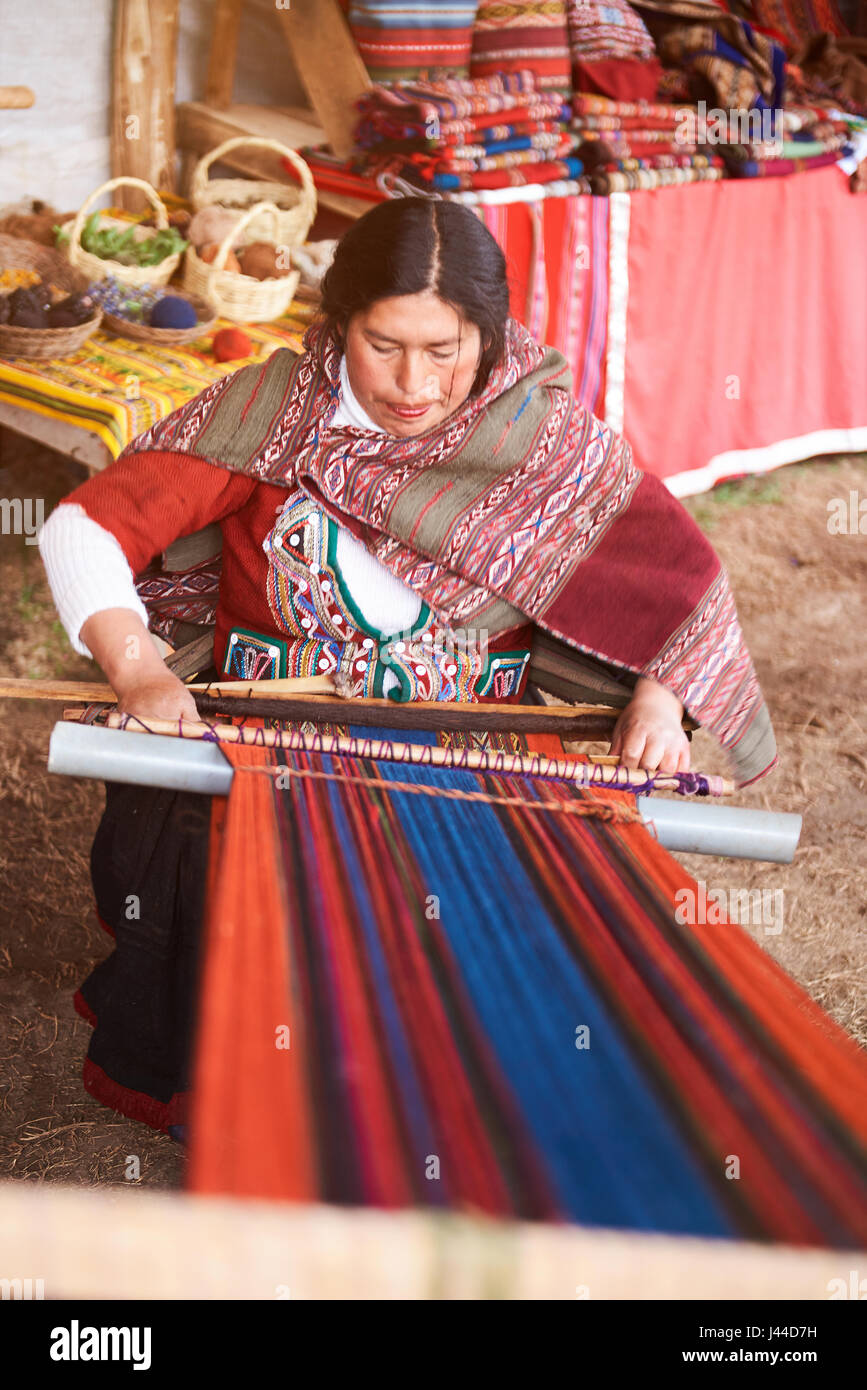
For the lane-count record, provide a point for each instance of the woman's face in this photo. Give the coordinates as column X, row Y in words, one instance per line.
column 412, row 361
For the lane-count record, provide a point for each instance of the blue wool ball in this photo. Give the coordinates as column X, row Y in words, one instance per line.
column 172, row 312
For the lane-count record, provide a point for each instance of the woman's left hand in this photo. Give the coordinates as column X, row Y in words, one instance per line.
column 648, row 733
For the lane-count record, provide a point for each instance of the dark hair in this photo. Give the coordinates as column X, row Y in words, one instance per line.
column 408, row 245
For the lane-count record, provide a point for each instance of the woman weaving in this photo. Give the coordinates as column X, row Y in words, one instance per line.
column 422, row 468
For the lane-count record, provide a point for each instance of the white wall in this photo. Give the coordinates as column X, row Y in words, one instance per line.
column 59, row 149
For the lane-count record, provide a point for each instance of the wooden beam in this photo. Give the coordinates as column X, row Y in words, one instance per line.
column 75, row 441
column 223, row 54
column 329, row 65
column 143, row 96
column 201, row 127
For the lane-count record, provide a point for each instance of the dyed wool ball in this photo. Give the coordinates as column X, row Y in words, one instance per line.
column 230, row 343
column 263, row 261
column 173, row 312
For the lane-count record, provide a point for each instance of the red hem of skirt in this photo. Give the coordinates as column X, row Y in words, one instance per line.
column 82, row 1007
column 102, row 922
column 135, row 1105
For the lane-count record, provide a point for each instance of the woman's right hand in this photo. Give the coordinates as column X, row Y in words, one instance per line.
column 158, row 696
column 139, row 677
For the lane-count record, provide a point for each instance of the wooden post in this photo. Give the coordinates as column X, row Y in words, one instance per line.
column 223, row 55
column 329, row 65
column 143, row 95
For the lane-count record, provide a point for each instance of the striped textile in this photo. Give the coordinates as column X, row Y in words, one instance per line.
column 399, row 39
column 612, row 180
column 411, row 1000
column 511, row 35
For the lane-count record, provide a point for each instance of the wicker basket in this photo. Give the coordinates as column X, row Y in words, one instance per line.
column 297, row 207
column 241, row 298
column 167, row 337
column 17, row 253
column 96, row 268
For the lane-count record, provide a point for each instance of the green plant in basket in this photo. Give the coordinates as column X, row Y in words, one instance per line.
column 118, row 244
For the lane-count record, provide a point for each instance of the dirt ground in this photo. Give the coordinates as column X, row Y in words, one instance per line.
column 801, row 595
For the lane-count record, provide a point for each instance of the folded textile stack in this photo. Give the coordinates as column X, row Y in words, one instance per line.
column 612, row 51
column 521, row 35
column 459, row 133
column 830, row 71
column 727, row 62
column 334, row 175
column 810, row 139
column 640, row 144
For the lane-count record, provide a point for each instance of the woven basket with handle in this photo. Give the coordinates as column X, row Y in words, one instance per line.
column 17, row 253
column 296, row 207
column 97, row 268
column 242, row 298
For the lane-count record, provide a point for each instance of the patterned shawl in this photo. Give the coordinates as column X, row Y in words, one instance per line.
column 520, row 505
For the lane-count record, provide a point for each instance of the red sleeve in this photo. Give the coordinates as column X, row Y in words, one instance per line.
column 148, row 500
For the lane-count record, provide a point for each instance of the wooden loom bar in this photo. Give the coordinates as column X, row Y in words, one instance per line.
column 235, row 1249
column 100, row 692
column 311, row 698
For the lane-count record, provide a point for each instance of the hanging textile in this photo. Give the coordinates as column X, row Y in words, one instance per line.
column 421, row 989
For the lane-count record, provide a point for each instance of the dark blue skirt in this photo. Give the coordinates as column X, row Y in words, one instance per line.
column 148, row 865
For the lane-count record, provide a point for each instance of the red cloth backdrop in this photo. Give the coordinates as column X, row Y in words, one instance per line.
column 722, row 327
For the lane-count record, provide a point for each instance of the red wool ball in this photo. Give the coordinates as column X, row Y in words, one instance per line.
column 230, row 343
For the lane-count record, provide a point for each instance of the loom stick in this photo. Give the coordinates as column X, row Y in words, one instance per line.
column 571, row 721
column 312, row 698
column 284, row 738
column 18, row 688
column 611, row 772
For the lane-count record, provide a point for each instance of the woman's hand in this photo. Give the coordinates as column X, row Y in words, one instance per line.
column 143, row 683
column 159, row 696
column 648, row 733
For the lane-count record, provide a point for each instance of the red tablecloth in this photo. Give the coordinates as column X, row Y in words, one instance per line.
column 722, row 327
